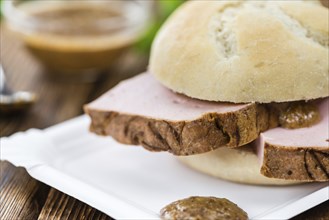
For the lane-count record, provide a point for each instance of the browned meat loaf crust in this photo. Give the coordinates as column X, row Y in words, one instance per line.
column 210, row 131
column 293, row 163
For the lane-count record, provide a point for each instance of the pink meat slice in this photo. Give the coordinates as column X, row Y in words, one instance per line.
column 143, row 95
column 141, row 111
column 297, row 153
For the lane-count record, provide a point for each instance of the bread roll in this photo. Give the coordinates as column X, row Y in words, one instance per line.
column 245, row 51
column 236, row 165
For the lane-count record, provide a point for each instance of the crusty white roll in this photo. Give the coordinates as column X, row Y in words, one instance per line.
column 236, row 165
column 245, row 51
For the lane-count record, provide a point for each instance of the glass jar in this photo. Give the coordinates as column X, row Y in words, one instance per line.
column 77, row 38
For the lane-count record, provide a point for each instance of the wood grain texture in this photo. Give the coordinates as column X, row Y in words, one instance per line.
column 22, row 197
column 320, row 212
column 63, row 207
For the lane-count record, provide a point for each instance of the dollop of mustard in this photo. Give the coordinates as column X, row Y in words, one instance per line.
column 299, row 115
column 203, row 208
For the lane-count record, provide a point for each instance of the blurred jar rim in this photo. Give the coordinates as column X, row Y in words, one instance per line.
column 21, row 15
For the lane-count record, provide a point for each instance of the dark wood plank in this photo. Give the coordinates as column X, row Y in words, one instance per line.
column 61, row 206
column 59, row 101
column 21, row 197
column 320, row 212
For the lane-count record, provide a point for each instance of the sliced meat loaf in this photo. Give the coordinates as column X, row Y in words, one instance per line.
column 140, row 111
column 297, row 154
column 287, row 156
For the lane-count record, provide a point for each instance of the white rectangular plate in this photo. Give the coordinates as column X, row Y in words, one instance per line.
column 128, row 182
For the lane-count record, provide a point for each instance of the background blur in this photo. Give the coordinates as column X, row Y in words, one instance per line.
column 161, row 9
column 81, row 39
column 42, row 44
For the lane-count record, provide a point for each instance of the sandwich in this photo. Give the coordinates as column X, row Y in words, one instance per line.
column 234, row 89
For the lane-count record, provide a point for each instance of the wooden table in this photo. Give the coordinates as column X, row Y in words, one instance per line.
column 22, row 197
